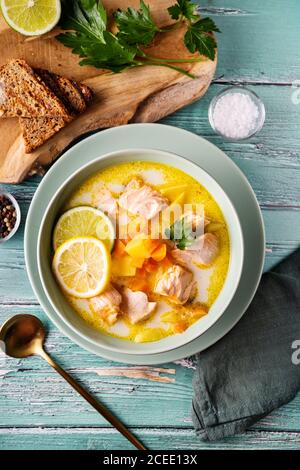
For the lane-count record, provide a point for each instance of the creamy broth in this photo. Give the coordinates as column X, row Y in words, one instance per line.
column 210, row 279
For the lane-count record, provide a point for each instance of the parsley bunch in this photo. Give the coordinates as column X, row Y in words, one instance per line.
column 89, row 37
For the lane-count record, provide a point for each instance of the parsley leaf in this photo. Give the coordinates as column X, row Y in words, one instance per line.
column 181, row 233
column 90, row 38
column 207, row 25
column 198, row 37
column 84, row 16
column 111, row 55
column 183, row 8
column 136, row 26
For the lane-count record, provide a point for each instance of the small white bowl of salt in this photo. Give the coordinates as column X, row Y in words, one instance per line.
column 236, row 113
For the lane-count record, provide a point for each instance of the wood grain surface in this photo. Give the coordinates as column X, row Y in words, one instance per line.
column 136, row 95
column 39, row 411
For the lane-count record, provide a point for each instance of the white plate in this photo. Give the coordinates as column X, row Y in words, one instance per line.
column 62, row 306
column 197, row 150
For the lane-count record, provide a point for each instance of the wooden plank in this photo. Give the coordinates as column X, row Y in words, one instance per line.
column 275, row 147
column 136, row 95
column 283, row 237
column 268, row 159
column 274, row 183
column 249, row 52
column 251, row 48
column 160, row 439
column 252, row 12
column 48, row 401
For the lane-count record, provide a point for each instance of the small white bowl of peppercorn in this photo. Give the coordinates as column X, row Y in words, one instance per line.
column 10, row 216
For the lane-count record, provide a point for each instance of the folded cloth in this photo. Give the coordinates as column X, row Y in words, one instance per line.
column 254, row 368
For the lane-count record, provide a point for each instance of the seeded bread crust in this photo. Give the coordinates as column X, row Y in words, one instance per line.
column 66, row 90
column 23, row 93
column 86, row 92
column 75, row 96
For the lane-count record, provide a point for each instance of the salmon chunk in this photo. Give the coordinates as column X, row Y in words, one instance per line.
column 135, row 306
column 182, row 257
column 140, row 199
column 203, row 251
column 107, row 305
column 106, row 202
column 177, row 284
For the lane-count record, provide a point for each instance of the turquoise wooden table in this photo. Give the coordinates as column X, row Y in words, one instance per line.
column 259, row 47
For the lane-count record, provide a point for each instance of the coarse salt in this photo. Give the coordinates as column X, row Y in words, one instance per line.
column 235, row 115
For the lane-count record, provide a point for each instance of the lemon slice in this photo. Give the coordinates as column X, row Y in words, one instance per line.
column 31, row 17
column 84, row 221
column 82, row 267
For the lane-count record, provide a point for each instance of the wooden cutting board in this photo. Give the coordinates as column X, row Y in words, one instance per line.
column 144, row 94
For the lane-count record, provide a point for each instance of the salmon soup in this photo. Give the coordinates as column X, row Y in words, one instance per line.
column 170, row 256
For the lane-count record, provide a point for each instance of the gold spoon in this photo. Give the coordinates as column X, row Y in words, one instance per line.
column 24, row 335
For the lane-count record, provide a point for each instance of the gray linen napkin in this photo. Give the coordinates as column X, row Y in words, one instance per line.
column 250, row 371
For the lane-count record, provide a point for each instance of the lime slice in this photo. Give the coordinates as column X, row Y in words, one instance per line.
column 82, row 267
column 84, row 221
column 31, row 17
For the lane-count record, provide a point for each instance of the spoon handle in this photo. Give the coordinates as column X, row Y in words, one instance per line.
column 96, row 404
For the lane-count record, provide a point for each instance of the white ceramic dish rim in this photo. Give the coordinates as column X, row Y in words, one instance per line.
column 221, row 302
column 191, row 145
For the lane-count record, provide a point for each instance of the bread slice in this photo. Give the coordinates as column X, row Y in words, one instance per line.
column 75, row 96
column 68, row 91
column 24, row 94
column 37, row 131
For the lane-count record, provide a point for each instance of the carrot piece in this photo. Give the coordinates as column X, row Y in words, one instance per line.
column 119, row 249
column 141, row 272
column 159, row 253
column 180, row 326
column 151, row 266
column 166, row 262
column 138, row 284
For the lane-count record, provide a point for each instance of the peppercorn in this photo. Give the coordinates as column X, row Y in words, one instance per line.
column 8, row 216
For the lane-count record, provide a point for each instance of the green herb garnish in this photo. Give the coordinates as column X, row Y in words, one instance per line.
column 181, row 233
column 90, row 38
